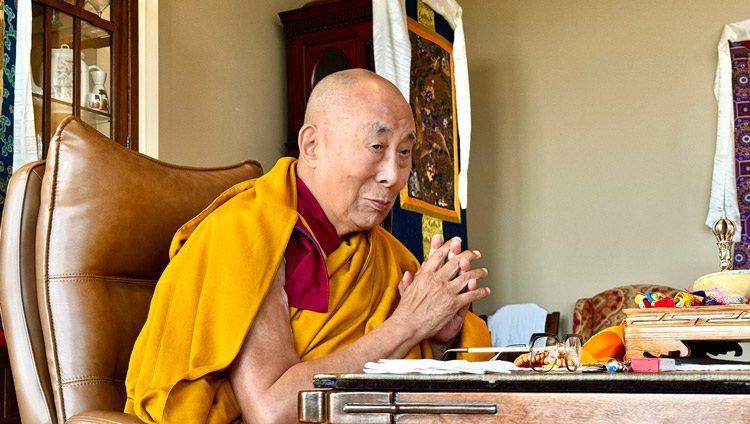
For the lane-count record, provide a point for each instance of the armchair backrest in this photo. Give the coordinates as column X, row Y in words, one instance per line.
column 84, row 239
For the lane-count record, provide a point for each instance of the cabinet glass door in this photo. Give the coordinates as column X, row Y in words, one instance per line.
column 37, row 67
column 83, row 64
column 100, row 7
column 61, row 68
column 96, row 54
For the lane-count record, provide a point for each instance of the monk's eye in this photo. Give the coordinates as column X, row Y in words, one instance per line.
column 405, row 153
column 377, row 147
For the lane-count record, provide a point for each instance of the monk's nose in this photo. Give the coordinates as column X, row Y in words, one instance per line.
column 388, row 172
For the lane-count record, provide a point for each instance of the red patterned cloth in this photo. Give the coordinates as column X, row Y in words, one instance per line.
column 591, row 315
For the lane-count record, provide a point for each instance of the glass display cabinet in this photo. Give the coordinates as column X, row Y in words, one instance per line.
column 84, row 63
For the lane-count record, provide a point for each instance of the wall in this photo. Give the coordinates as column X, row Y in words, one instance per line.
column 593, row 141
column 594, row 126
column 222, row 81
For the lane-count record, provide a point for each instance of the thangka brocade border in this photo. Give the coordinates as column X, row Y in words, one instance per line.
column 740, row 55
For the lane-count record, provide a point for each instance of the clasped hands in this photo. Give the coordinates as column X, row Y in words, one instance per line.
column 434, row 300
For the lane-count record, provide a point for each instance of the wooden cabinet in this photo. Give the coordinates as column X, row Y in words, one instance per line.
column 84, row 63
column 321, row 38
column 8, row 405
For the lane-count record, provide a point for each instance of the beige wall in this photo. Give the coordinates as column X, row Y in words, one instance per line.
column 594, row 126
column 594, row 129
column 222, row 76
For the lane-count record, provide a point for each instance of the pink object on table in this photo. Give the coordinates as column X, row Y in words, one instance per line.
column 645, row 365
column 652, row 364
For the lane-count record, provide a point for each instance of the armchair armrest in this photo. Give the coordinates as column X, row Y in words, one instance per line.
column 103, row 417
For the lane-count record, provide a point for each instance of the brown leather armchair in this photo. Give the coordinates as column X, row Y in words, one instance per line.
column 84, row 238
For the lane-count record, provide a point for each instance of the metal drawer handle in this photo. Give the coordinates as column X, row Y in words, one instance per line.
column 421, row 408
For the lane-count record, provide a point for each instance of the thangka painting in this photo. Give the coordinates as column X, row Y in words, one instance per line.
column 740, row 54
column 432, row 188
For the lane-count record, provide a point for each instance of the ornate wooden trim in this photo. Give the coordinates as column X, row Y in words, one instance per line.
column 317, row 17
column 661, row 330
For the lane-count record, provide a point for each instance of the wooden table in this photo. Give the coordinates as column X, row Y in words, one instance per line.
column 718, row 397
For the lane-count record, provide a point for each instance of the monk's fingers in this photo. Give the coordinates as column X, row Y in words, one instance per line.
column 458, row 264
column 465, row 299
column 435, row 243
column 454, row 250
column 450, row 269
column 466, row 258
column 467, row 278
column 406, row 280
column 437, row 258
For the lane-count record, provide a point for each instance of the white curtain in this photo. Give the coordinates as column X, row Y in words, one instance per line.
column 25, row 147
column 723, row 185
column 391, row 45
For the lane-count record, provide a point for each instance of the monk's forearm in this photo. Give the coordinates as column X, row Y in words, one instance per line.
column 392, row 339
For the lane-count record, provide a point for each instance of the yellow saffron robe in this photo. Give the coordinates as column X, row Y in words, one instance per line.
column 222, row 265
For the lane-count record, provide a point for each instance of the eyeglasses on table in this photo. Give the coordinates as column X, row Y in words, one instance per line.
column 546, row 351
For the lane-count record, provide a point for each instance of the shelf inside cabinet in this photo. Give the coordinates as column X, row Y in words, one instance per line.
column 88, row 114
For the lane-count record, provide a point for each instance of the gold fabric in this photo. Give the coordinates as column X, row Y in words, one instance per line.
column 430, row 227
column 425, row 15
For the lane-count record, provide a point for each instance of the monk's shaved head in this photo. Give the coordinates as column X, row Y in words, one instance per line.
column 355, row 148
column 345, row 89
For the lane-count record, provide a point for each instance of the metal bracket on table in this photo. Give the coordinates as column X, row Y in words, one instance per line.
column 319, row 406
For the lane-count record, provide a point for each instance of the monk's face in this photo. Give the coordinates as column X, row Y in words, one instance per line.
column 366, row 157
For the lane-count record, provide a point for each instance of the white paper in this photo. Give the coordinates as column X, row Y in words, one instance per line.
column 435, row 367
column 712, row 367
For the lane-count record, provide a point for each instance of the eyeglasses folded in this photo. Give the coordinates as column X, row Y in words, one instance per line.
column 544, row 352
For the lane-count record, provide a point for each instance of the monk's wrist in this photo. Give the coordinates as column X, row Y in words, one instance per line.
column 404, row 329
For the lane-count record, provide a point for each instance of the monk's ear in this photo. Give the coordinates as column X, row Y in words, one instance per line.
column 308, row 143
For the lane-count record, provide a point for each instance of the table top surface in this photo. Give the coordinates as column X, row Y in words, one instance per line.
column 720, row 382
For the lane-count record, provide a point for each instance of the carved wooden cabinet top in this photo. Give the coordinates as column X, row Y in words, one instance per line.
column 321, row 15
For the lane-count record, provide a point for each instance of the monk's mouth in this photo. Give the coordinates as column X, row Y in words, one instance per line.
column 380, row 205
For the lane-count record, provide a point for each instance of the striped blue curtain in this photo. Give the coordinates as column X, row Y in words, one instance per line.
column 10, row 8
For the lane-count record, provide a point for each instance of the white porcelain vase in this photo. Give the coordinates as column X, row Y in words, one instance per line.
column 61, row 69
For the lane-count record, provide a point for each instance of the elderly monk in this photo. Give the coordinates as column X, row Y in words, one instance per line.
column 290, row 274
